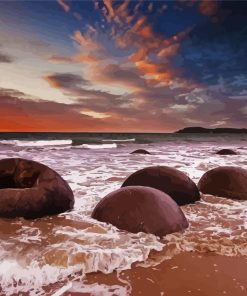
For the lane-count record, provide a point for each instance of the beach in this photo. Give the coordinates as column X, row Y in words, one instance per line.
column 185, row 274
column 73, row 254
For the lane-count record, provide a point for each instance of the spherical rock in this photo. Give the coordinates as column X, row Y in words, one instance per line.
column 226, row 152
column 140, row 151
column 169, row 180
column 141, row 209
column 31, row 190
column 225, row 181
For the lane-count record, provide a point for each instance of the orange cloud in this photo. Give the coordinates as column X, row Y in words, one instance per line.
column 208, row 7
column 85, row 58
column 119, row 14
column 149, row 47
column 111, row 14
column 52, row 82
column 19, row 115
column 88, row 43
column 147, row 67
column 65, row 6
column 139, row 55
column 78, row 58
column 85, row 40
column 168, row 51
column 138, row 24
column 55, row 59
column 146, row 32
column 156, row 72
column 122, row 15
column 28, row 115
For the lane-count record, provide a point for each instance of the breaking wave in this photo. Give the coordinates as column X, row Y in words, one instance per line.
column 38, row 143
column 97, row 146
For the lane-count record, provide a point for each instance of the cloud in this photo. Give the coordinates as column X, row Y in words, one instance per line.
column 119, row 75
column 151, row 52
column 162, row 81
column 86, row 58
column 150, row 7
column 56, row 59
column 5, row 58
column 64, row 5
column 78, row 58
column 108, row 4
column 85, row 40
column 90, row 48
column 22, row 114
column 77, row 16
column 208, row 7
column 74, row 85
column 22, row 43
column 214, row 53
column 141, row 107
column 163, row 76
column 19, row 112
column 65, row 80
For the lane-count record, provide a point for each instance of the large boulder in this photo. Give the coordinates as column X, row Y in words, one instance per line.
column 31, row 190
column 226, row 152
column 225, row 181
column 141, row 209
column 140, row 151
column 169, row 180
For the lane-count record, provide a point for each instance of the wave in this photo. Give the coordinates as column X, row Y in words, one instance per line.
column 39, row 143
column 97, row 146
column 119, row 140
column 85, row 251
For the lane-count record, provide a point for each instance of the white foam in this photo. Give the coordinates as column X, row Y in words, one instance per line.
column 100, row 290
column 39, row 143
column 65, row 250
column 119, row 140
column 15, row 278
column 97, row 146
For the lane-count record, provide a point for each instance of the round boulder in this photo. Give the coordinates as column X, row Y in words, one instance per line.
column 141, row 209
column 225, row 181
column 31, row 190
column 169, row 180
column 140, row 151
column 226, row 152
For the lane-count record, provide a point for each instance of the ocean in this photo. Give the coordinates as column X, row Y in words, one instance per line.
column 50, row 255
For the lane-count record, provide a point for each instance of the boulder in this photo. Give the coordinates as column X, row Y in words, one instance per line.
column 31, row 190
column 169, row 180
column 140, row 151
column 225, row 181
column 141, row 209
column 226, row 152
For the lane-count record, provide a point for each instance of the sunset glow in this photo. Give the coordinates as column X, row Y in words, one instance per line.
column 153, row 66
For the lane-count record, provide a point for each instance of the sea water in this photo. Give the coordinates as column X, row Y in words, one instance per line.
column 35, row 254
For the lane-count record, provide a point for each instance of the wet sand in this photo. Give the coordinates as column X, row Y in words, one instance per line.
column 188, row 273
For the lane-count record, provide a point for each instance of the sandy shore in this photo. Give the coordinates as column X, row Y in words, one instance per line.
column 185, row 274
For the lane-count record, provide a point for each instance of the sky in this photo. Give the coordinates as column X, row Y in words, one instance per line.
column 122, row 66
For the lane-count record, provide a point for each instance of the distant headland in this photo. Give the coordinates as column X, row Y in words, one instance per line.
column 199, row 129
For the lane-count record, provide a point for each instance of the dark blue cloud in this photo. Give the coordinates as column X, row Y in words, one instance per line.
column 217, row 49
